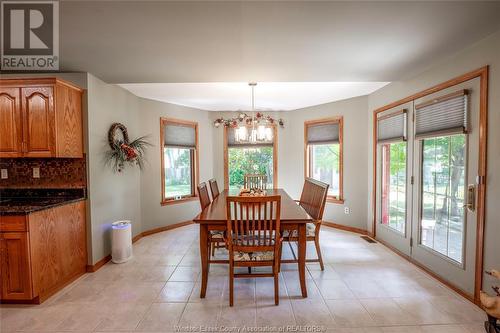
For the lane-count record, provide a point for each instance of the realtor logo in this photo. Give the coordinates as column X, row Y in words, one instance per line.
column 30, row 36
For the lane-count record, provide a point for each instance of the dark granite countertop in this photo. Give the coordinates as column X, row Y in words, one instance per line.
column 25, row 201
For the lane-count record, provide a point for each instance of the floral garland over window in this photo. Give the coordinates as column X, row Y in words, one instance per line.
column 243, row 119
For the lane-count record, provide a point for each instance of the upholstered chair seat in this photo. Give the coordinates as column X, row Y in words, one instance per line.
column 310, row 232
column 254, row 256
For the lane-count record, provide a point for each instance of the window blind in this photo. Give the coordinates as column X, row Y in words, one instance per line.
column 323, row 133
column 392, row 127
column 445, row 115
column 231, row 142
column 181, row 136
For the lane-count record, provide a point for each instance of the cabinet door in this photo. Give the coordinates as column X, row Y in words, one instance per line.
column 73, row 238
column 69, row 123
column 39, row 121
column 10, row 122
column 15, row 271
column 58, row 246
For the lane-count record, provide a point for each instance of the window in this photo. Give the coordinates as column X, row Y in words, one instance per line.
column 323, row 154
column 244, row 158
column 391, row 140
column 179, row 159
column 443, row 190
column 394, row 185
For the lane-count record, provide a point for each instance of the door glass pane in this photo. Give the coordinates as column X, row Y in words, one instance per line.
column 443, row 192
column 394, row 186
column 325, row 166
column 249, row 160
column 178, row 172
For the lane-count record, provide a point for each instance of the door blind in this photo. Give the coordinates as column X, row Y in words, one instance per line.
column 392, row 127
column 445, row 115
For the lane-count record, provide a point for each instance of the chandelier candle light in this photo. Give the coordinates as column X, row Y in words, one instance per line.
column 257, row 123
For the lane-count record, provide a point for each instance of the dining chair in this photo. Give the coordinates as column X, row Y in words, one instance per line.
column 313, row 200
column 253, row 237
column 214, row 188
column 216, row 237
column 255, row 181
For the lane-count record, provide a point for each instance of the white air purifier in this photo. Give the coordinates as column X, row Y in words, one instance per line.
column 121, row 241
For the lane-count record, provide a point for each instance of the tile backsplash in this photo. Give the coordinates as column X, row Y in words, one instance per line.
column 54, row 173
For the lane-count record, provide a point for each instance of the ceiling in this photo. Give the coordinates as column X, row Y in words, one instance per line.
column 269, row 96
column 264, row 41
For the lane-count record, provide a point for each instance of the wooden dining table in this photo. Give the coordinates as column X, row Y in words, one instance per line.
column 213, row 217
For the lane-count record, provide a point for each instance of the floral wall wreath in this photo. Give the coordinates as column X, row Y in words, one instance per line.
column 123, row 151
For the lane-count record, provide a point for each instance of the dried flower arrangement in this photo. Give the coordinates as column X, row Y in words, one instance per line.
column 123, row 152
column 243, row 118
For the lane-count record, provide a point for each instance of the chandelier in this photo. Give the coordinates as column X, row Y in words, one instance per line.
column 252, row 129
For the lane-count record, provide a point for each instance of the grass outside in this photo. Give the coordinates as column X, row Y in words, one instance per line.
column 175, row 190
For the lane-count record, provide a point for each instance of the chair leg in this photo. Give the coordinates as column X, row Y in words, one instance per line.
column 276, row 287
column 231, row 284
column 208, row 255
column 212, row 246
column 291, row 249
column 249, row 270
column 318, row 251
column 279, row 257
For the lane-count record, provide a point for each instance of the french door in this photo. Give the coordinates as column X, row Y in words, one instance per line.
column 444, row 216
column 426, row 196
column 394, row 171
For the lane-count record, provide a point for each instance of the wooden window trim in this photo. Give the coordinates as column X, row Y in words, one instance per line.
column 195, row 170
column 307, row 159
column 275, row 157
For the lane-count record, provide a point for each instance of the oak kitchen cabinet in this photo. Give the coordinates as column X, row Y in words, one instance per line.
column 40, row 118
column 42, row 251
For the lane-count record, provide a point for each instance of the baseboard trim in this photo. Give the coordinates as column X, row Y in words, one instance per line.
column 34, row 301
column 93, row 268
column 103, row 261
column 345, row 228
column 161, row 229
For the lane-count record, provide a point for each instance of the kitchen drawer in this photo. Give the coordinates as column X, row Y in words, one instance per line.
column 14, row 223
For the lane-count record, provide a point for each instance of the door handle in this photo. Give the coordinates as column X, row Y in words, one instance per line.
column 471, row 198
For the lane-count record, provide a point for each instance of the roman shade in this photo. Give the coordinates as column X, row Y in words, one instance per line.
column 444, row 115
column 180, row 136
column 323, row 133
column 231, row 142
column 392, row 126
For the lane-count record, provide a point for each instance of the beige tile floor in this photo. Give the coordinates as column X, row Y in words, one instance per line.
column 364, row 288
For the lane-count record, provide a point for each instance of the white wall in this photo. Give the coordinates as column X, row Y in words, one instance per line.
column 291, row 155
column 153, row 214
column 111, row 196
column 485, row 52
column 132, row 194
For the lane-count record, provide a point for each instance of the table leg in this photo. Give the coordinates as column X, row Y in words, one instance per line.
column 302, row 258
column 204, row 258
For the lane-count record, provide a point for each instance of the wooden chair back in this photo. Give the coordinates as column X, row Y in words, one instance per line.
column 214, row 188
column 253, row 223
column 255, row 181
column 313, row 198
column 203, row 195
